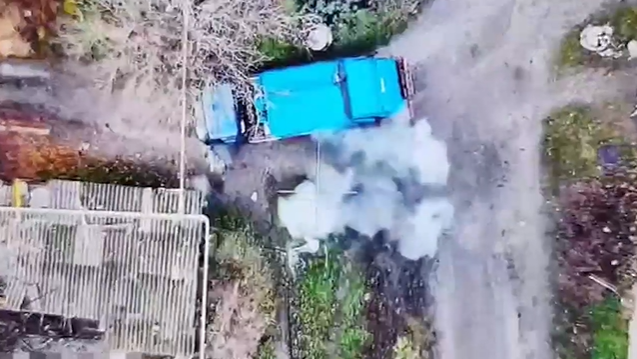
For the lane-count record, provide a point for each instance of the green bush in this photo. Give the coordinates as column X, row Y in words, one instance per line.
column 610, row 330
column 331, row 302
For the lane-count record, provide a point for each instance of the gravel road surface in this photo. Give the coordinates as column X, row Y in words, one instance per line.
column 485, row 82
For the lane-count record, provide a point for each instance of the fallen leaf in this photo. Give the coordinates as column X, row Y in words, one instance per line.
column 11, row 42
column 70, row 8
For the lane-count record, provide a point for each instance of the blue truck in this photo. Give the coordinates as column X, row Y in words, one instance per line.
column 328, row 96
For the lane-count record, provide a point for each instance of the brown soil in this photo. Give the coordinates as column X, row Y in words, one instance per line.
column 399, row 305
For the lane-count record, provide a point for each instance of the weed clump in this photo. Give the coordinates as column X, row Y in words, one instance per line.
column 331, row 309
column 624, row 21
column 571, row 53
column 572, row 138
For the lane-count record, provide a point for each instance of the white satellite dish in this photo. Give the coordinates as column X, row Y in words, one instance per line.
column 319, row 37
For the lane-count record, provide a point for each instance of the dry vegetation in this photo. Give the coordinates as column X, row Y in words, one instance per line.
column 135, row 49
column 598, row 230
column 596, row 249
column 35, row 158
column 243, row 299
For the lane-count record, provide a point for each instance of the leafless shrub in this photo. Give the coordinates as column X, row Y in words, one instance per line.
column 238, row 325
column 243, row 299
column 596, row 236
column 137, row 54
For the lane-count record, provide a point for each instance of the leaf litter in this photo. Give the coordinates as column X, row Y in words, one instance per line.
column 26, row 26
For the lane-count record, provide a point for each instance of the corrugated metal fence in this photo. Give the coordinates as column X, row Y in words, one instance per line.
column 120, row 255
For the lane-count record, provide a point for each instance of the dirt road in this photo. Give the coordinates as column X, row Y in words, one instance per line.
column 486, row 83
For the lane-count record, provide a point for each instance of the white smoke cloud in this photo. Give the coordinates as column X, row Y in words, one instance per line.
column 374, row 159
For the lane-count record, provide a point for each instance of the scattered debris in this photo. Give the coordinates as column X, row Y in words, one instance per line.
column 604, row 283
column 609, row 157
column 599, row 39
column 594, row 237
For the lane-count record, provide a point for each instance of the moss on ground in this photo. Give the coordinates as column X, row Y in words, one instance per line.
column 571, row 140
column 331, row 302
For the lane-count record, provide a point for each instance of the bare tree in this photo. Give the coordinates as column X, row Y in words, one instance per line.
column 134, row 49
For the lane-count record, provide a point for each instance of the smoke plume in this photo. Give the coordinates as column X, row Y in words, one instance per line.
column 389, row 178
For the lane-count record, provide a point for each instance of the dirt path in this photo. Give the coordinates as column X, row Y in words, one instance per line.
column 486, row 84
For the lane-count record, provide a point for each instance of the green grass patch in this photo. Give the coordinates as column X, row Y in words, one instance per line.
column 624, row 21
column 572, row 54
column 331, row 302
column 355, row 33
column 610, row 330
column 280, row 53
column 572, row 138
column 364, row 31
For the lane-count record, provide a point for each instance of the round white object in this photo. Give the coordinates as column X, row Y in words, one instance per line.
column 319, row 38
column 596, row 38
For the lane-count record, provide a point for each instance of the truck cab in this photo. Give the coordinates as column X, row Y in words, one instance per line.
column 327, row 96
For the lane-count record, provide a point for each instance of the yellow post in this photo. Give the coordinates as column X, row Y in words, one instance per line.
column 20, row 190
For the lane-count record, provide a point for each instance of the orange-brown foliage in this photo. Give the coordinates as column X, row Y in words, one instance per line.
column 29, row 157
